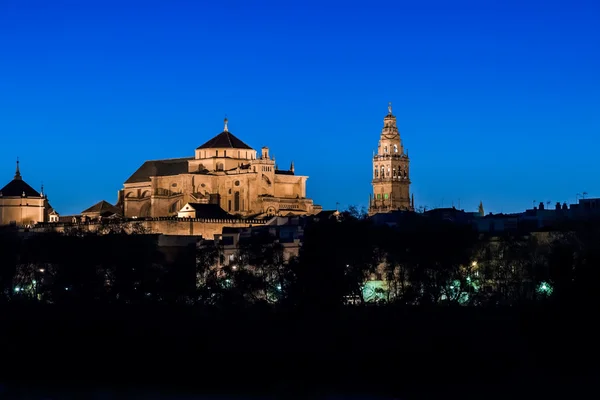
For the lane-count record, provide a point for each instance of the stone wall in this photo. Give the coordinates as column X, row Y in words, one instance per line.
column 207, row 228
column 22, row 210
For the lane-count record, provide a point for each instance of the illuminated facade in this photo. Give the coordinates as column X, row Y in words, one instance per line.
column 391, row 174
column 225, row 171
column 22, row 205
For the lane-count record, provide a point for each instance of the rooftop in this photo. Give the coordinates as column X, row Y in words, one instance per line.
column 225, row 139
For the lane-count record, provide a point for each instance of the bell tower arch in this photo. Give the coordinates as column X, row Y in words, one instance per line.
column 391, row 174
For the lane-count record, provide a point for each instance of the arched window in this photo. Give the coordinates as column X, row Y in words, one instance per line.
column 382, row 171
column 219, row 166
column 394, row 172
column 385, row 149
column 376, row 172
column 216, row 153
column 236, row 201
column 224, row 153
column 388, row 172
column 378, row 196
column 395, row 148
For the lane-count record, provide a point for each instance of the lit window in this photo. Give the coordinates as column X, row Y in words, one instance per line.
column 385, row 196
column 395, row 148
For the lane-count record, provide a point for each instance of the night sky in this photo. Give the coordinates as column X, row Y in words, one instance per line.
column 496, row 101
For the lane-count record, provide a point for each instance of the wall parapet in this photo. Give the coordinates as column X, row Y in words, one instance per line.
column 151, row 219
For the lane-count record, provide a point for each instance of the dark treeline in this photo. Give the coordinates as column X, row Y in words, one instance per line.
column 345, row 261
column 460, row 309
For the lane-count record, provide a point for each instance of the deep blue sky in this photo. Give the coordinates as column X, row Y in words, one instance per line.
column 496, row 100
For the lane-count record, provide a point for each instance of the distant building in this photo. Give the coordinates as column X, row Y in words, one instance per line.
column 391, row 175
column 101, row 210
column 247, row 185
column 22, row 205
column 287, row 231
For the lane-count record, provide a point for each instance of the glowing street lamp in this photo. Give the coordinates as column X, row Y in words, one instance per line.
column 545, row 288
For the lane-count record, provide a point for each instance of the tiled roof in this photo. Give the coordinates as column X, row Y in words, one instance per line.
column 102, row 207
column 174, row 166
column 17, row 187
column 225, row 139
column 283, row 172
column 213, row 211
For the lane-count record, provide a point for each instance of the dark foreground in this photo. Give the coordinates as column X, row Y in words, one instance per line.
column 406, row 353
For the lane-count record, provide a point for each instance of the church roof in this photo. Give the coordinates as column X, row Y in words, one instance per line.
column 101, row 208
column 17, row 187
column 283, row 172
column 174, row 166
column 225, row 139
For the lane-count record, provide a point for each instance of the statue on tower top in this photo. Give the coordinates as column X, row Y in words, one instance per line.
column 390, row 108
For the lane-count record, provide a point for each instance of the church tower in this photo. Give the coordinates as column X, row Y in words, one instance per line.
column 391, row 179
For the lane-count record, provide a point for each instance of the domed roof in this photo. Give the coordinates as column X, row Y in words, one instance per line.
column 17, row 187
column 225, row 140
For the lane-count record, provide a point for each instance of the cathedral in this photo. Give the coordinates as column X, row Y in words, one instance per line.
column 22, row 205
column 391, row 176
column 224, row 171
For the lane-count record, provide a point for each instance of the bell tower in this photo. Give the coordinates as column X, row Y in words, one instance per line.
column 391, row 179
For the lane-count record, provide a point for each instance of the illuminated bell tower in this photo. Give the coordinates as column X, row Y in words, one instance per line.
column 391, row 179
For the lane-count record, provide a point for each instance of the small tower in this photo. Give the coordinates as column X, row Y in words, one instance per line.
column 292, row 167
column 391, row 178
column 481, row 212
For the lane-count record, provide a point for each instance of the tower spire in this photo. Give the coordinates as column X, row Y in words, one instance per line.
column 18, row 172
column 225, row 129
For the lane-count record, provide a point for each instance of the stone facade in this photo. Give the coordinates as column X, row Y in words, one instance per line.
column 22, row 205
column 247, row 184
column 391, row 174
